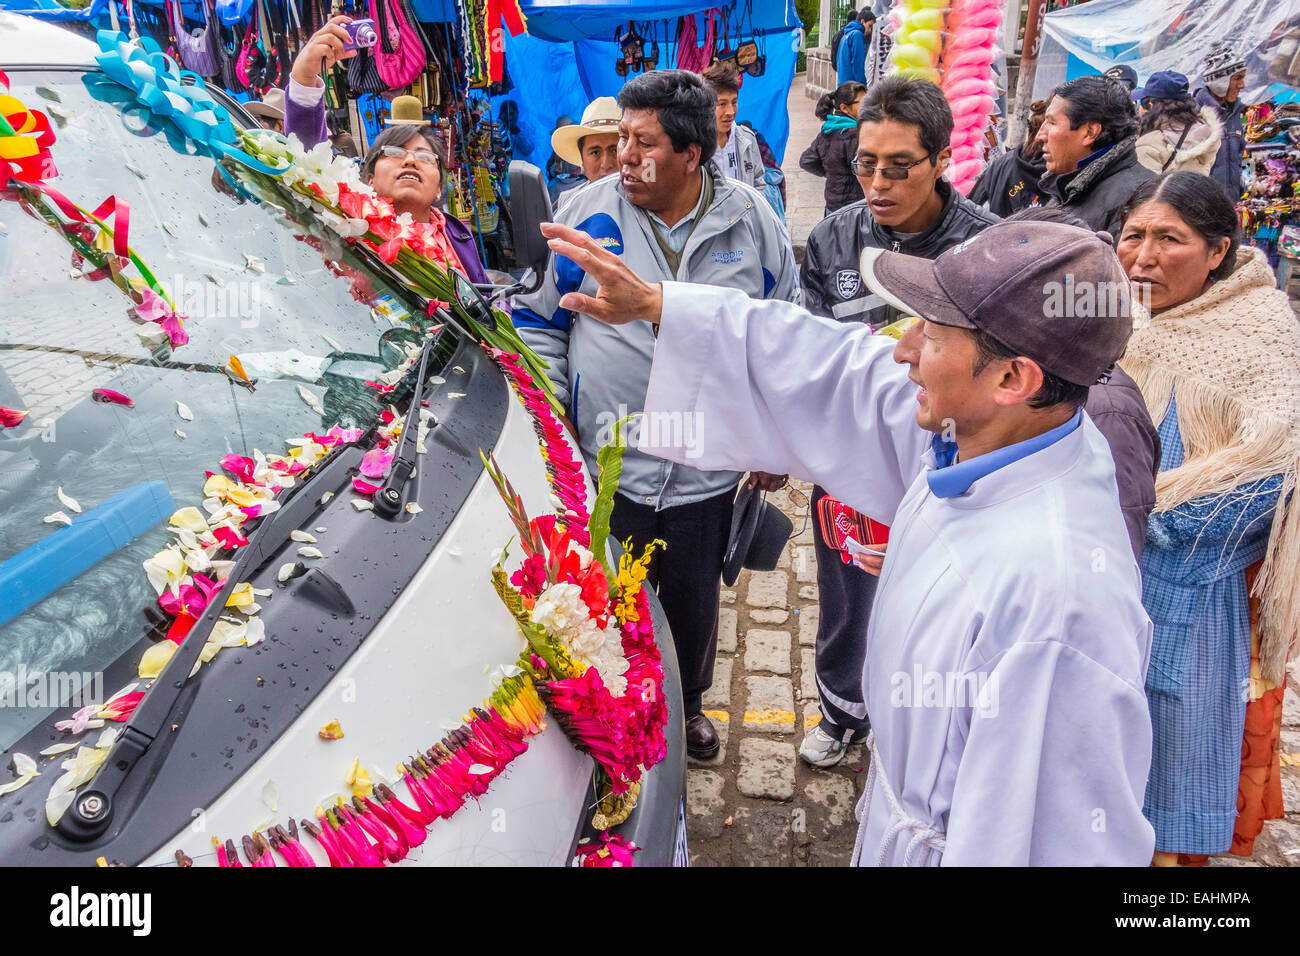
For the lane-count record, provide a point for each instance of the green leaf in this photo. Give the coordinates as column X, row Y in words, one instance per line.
column 610, row 462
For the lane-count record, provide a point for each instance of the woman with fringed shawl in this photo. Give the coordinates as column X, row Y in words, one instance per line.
column 1219, row 367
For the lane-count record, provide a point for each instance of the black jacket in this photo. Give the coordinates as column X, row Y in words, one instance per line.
column 1117, row 409
column 1097, row 193
column 1009, row 183
column 832, row 284
column 830, row 155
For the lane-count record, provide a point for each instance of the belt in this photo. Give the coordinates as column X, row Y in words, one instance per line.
column 924, row 836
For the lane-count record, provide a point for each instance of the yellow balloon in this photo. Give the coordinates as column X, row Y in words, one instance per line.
column 914, row 73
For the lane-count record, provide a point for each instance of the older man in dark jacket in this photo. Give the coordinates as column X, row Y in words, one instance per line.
column 1089, row 134
column 902, row 152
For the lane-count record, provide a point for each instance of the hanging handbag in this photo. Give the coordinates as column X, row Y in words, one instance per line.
column 399, row 55
column 279, row 63
column 691, row 54
column 231, row 45
column 251, row 57
column 363, row 73
column 200, row 50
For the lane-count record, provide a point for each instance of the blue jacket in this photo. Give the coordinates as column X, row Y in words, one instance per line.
column 1227, row 165
column 851, row 59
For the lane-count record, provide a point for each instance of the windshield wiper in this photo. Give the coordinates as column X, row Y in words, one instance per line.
column 92, row 809
column 391, row 498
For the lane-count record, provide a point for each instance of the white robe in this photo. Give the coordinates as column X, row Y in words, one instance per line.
column 1008, row 644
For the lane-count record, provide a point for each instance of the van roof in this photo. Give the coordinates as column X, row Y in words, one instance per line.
column 25, row 41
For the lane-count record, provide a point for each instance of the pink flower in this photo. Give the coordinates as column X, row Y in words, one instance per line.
column 228, row 537
column 613, row 849
column 9, row 417
column 154, row 308
column 240, row 466
column 123, row 707
column 108, row 395
column 375, row 462
column 190, row 599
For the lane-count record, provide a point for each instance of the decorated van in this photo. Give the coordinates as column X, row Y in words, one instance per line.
column 297, row 564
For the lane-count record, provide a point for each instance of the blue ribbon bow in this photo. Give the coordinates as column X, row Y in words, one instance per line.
column 155, row 80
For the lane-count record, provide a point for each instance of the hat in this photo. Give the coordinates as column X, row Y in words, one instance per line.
column 758, row 533
column 271, row 105
column 602, row 115
column 406, row 111
column 1124, row 73
column 1053, row 293
column 1221, row 62
column 1165, row 85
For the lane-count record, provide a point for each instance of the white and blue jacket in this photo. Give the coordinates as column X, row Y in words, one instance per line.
column 601, row 371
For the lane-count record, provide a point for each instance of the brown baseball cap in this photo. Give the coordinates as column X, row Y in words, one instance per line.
column 1051, row 292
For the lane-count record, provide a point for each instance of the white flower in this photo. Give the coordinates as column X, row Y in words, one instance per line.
column 565, row 616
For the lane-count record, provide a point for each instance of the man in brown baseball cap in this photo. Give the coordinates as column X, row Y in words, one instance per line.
column 1008, row 646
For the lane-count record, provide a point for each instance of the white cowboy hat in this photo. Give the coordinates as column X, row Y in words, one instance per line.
column 271, row 105
column 602, row 115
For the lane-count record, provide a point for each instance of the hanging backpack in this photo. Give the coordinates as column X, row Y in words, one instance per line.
column 276, row 35
column 200, row 50
column 399, row 54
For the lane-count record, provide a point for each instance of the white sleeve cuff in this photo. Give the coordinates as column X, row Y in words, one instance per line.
column 305, row 95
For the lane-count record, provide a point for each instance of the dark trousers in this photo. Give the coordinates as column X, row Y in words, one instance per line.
column 687, row 575
column 846, row 594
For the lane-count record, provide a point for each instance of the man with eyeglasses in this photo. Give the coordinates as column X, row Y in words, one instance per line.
column 903, row 131
column 671, row 213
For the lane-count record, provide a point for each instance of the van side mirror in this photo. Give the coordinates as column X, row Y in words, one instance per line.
column 530, row 206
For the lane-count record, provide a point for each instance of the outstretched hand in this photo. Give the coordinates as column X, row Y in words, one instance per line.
column 622, row 296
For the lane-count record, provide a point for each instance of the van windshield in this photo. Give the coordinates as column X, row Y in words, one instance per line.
column 310, row 321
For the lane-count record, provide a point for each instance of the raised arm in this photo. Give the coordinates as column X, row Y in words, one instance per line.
column 304, row 100
column 773, row 387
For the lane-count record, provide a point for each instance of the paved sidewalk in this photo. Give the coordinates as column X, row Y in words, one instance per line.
column 805, row 199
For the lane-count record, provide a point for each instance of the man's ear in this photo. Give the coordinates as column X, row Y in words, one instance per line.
column 693, row 153
column 1091, row 132
column 941, row 160
column 1021, row 378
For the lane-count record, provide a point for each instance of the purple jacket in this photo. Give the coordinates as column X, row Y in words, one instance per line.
column 308, row 122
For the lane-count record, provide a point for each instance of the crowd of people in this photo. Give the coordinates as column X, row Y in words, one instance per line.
column 1083, row 433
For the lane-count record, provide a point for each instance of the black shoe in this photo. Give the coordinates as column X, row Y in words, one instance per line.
column 701, row 739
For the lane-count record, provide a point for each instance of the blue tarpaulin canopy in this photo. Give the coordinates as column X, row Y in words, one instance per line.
column 568, row 59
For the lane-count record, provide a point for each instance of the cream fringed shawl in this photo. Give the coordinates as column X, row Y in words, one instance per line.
column 1230, row 358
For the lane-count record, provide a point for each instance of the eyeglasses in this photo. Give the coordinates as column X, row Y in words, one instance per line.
column 868, row 170
column 421, row 155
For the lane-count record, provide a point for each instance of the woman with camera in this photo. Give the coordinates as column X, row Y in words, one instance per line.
column 405, row 164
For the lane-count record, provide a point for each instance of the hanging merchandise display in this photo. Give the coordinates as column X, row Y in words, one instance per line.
column 1268, row 210
column 952, row 43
